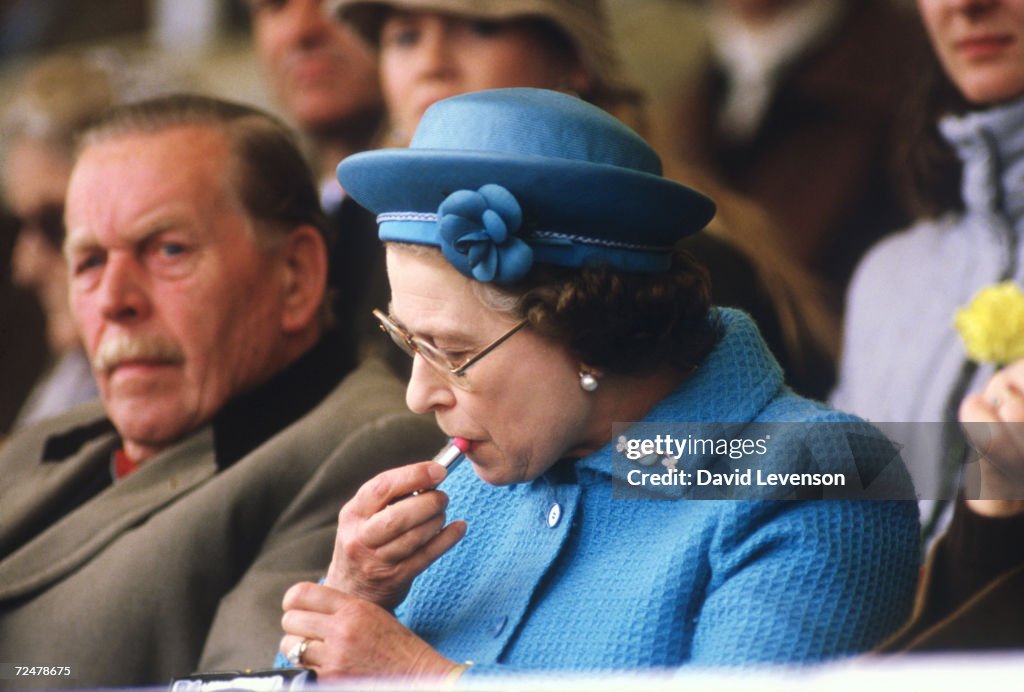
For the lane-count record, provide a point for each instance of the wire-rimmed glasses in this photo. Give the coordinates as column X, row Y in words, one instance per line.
column 438, row 359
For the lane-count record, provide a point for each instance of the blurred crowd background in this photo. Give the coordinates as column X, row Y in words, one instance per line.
column 800, row 179
column 209, row 40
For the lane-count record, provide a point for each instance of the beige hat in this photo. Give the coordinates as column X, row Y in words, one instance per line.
column 583, row 22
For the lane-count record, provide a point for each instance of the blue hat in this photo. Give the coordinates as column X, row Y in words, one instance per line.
column 505, row 178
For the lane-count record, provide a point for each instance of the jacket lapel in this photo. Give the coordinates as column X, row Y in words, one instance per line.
column 52, row 484
column 78, row 537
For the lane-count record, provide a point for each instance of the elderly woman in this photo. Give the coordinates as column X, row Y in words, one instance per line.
column 433, row 49
column 530, row 252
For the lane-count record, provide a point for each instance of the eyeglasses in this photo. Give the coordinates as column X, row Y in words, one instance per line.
column 435, row 357
column 48, row 220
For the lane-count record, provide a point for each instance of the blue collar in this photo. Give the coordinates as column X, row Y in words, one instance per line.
column 733, row 384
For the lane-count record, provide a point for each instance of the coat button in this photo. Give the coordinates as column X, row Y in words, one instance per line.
column 554, row 514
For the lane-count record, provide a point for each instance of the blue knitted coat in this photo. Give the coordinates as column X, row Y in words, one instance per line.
column 556, row 574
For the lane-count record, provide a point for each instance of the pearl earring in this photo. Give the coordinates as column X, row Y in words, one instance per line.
column 588, row 382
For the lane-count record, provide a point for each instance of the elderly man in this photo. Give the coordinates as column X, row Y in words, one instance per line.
column 324, row 78
column 155, row 535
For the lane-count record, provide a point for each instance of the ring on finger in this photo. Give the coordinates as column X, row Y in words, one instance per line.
column 296, row 653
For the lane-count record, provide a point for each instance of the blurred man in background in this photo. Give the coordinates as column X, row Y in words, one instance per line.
column 324, row 78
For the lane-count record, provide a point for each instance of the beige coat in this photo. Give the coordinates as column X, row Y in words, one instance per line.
column 179, row 567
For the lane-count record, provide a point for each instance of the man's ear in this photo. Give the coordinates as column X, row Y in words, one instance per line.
column 305, row 278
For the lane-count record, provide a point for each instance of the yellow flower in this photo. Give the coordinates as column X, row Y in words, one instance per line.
column 992, row 326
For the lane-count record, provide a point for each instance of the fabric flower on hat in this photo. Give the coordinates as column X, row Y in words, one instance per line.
column 992, row 325
column 478, row 234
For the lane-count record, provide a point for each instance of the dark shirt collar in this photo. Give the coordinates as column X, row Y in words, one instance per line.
column 250, row 419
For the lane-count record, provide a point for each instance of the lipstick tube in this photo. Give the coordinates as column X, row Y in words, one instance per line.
column 449, row 456
column 452, row 453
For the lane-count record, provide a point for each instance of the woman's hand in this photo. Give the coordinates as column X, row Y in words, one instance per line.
column 994, row 421
column 351, row 637
column 387, row 536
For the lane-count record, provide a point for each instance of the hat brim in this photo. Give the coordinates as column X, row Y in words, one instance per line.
column 592, row 198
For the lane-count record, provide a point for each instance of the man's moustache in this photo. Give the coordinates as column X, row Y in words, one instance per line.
column 118, row 349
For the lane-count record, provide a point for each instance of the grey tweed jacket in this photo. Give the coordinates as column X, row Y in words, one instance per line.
column 182, row 566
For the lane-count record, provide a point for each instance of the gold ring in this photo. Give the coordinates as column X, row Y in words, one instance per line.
column 296, row 653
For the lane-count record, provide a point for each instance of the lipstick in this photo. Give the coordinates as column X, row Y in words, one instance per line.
column 449, row 457
column 452, row 453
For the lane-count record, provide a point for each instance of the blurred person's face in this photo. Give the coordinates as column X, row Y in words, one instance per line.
column 35, row 178
column 180, row 305
column 320, row 72
column 980, row 44
column 426, row 57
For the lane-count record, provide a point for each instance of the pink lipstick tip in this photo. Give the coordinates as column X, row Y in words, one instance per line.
column 461, row 443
